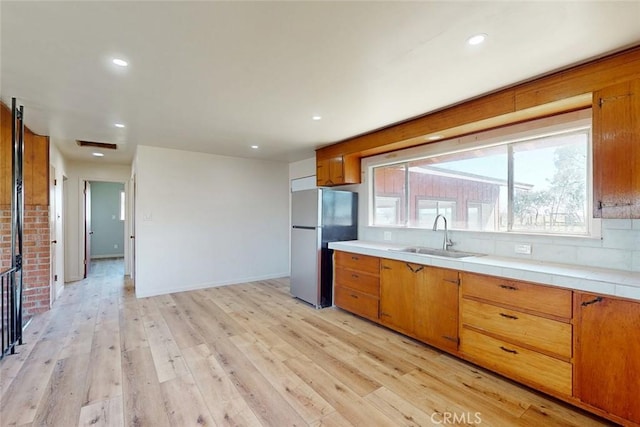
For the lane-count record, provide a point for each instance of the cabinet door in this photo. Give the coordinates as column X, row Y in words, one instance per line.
column 336, row 170
column 397, row 291
column 616, row 151
column 322, row 172
column 436, row 308
column 607, row 354
column 330, row 171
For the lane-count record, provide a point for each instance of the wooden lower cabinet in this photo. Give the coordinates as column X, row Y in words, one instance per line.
column 420, row 301
column 357, row 284
column 359, row 303
column 436, row 308
column 517, row 362
column 519, row 329
column 580, row 347
column 607, row 361
column 398, row 282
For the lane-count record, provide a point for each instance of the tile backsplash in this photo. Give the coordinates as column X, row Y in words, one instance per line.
column 618, row 248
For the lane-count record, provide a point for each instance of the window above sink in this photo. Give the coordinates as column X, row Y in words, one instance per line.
column 532, row 178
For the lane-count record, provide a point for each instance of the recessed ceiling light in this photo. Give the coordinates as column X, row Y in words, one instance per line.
column 119, row 125
column 477, row 39
column 316, row 118
column 255, row 147
column 120, row 62
column 434, row 137
column 98, row 154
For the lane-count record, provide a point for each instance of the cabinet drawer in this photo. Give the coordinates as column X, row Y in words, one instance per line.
column 517, row 362
column 358, row 281
column 364, row 263
column 544, row 334
column 356, row 302
column 542, row 299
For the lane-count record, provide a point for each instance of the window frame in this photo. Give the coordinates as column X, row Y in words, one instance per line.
column 123, row 205
column 572, row 122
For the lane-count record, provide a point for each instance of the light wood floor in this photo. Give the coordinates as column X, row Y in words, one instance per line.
column 245, row 354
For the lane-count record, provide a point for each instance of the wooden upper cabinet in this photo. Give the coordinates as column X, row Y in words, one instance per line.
column 36, row 164
column 337, row 170
column 436, row 308
column 616, row 151
column 607, row 354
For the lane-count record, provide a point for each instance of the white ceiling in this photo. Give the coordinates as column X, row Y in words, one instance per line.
column 218, row 77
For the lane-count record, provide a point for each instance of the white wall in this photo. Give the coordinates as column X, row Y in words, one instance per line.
column 77, row 173
column 57, row 203
column 204, row 220
column 302, row 169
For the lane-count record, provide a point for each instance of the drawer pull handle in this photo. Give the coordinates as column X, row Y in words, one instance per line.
column 593, row 301
column 354, row 276
column 509, row 288
column 454, row 339
column 354, row 296
column 509, row 316
column 355, row 258
column 508, row 350
column 384, row 267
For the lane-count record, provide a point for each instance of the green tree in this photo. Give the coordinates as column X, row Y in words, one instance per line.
column 565, row 196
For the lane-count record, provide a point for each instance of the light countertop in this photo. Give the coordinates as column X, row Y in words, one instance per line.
column 599, row 280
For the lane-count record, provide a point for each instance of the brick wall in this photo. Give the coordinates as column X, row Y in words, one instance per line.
column 36, row 247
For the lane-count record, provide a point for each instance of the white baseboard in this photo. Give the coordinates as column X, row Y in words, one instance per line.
column 195, row 287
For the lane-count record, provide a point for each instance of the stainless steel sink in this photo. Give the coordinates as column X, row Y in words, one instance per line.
column 436, row 252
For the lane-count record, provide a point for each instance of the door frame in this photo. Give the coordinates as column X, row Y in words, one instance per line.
column 86, row 203
column 81, row 221
column 54, row 237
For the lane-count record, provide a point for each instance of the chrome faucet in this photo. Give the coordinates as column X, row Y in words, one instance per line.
column 447, row 241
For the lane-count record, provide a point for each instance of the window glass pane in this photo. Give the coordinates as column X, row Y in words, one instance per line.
column 429, row 209
column 550, row 179
column 389, row 199
column 427, row 212
column 450, row 181
column 471, row 188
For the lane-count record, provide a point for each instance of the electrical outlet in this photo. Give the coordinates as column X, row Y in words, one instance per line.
column 523, row 249
column 115, row 246
column 387, row 236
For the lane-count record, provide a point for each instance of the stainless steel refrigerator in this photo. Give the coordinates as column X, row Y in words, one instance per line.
column 319, row 216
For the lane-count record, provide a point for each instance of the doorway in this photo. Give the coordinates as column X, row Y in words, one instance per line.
column 105, row 214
